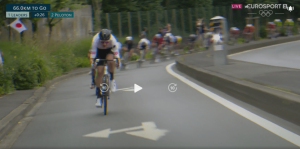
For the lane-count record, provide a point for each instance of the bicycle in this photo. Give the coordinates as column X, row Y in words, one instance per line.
column 125, row 61
column 105, row 84
column 141, row 58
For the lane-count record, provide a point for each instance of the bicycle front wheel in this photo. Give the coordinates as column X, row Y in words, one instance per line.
column 104, row 105
column 105, row 92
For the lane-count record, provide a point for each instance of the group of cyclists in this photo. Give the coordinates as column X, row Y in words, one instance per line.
column 273, row 29
column 106, row 46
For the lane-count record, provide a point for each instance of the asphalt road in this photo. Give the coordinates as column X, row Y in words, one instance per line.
column 283, row 55
column 188, row 118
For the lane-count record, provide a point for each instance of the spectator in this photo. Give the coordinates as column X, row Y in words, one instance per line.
column 160, row 31
column 1, row 60
column 168, row 27
column 144, row 32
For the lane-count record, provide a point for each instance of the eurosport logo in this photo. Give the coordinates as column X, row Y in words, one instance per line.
column 268, row 13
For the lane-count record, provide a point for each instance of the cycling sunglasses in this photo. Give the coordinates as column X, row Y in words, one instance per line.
column 106, row 42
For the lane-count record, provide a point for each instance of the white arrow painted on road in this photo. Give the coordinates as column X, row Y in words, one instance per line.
column 137, row 88
column 150, row 132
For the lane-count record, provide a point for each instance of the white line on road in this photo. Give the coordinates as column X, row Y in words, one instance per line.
column 262, row 48
column 272, row 127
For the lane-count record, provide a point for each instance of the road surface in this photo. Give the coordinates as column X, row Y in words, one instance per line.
column 185, row 118
column 283, row 55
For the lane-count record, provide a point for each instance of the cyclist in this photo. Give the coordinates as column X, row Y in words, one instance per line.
column 234, row 33
column 106, row 46
column 248, row 32
column 143, row 45
column 289, row 23
column 156, row 42
column 191, row 42
column 271, row 29
column 128, row 48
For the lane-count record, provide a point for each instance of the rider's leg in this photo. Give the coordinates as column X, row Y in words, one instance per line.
column 100, row 70
column 129, row 53
column 111, row 65
column 93, row 78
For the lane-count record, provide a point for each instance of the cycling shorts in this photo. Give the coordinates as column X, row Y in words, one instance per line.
column 143, row 47
column 101, row 54
column 129, row 47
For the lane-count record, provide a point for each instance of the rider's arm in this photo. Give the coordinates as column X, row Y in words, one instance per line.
column 116, row 45
column 94, row 46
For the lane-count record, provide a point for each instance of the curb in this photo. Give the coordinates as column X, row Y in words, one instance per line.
column 281, row 104
column 12, row 119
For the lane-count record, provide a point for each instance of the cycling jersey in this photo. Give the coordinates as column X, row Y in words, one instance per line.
column 234, row 30
column 271, row 25
column 178, row 39
column 97, row 46
column 289, row 22
column 249, row 28
column 158, row 41
column 129, row 45
column 192, row 37
column 140, row 44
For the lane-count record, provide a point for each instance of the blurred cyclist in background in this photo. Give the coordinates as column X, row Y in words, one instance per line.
column 191, row 42
column 271, row 28
column 234, row 33
column 288, row 24
column 156, row 42
column 143, row 46
column 128, row 47
column 248, row 32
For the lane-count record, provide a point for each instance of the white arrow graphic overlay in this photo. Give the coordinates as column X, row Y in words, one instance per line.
column 137, row 88
column 149, row 132
column 129, row 89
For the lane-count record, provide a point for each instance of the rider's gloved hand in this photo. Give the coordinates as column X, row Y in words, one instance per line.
column 118, row 62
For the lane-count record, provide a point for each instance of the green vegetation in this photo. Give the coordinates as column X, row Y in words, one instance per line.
column 240, row 40
column 263, row 32
column 29, row 65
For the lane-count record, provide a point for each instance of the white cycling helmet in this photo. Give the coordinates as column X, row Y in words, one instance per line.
column 277, row 20
column 157, row 35
column 249, row 25
column 168, row 34
column 290, row 19
column 193, row 35
column 298, row 19
column 129, row 38
column 234, row 28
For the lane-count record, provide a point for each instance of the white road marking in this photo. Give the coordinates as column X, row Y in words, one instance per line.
column 149, row 132
column 262, row 48
column 272, row 127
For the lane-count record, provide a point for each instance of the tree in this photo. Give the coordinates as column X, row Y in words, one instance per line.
column 57, row 5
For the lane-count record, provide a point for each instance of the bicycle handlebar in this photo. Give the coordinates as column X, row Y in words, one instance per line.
column 98, row 59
